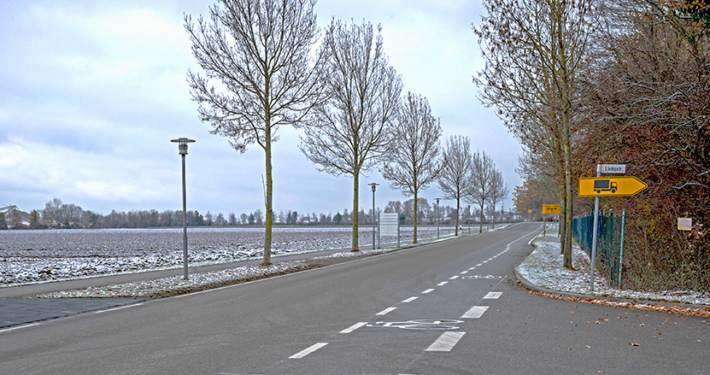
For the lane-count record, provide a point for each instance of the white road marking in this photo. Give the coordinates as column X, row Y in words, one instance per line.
column 446, row 342
column 309, row 350
column 410, row 299
column 442, row 283
column 118, row 308
column 18, row 327
column 479, row 264
column 464, row 272
column 354, row 327
column 454, row 277
column 427, row 291
column 386, row 311
column 472, row 268
column 475, row 312
column 493, row 295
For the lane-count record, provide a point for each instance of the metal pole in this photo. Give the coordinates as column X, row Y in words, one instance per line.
column 621, row 251
column 437, row 218
column 594, row 233
column 373, row 217
column 184, row 222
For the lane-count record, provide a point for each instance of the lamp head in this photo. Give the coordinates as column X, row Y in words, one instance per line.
column 182, row 144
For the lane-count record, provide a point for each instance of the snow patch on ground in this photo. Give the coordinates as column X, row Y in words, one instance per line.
column 176, row 285
column 544, row 268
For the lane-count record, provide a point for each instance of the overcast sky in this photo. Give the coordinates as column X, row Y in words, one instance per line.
column 91, row 92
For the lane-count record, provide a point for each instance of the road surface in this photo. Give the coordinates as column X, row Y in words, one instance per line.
column 444, row 308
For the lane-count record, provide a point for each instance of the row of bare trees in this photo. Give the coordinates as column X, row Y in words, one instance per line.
column 261, row 72
column 592, row 81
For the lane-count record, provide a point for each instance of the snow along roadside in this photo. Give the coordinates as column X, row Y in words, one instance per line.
column 543, row 267
column 175, row 285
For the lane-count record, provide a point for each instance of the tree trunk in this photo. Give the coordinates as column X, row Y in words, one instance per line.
column 356, row 199
column 415, row 218
column 493, row 226
column 567, row 254
column 563, row 219
column 269, row 197
column 458, row 206
column 480, row 228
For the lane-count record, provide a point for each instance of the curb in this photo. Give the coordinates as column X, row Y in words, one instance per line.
column 527, row 284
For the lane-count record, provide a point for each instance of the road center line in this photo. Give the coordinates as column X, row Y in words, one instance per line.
column 354, row 327
column 446, row 342
column 454, row 277
column 442, row 283
column 475, row 312
column 427, row 291
column 386, row 311
column 309, row 350
column 464, row 272
column 410, row 299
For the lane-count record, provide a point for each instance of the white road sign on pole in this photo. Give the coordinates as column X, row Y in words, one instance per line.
column 614, row 168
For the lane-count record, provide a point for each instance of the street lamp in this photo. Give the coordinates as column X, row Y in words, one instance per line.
column 182, row 150
column 374, row 186
column 437, row 217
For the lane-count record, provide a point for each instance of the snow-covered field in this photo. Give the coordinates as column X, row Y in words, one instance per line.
column 48, row 255
column 544, row 268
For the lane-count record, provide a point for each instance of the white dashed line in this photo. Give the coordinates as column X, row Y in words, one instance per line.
column 442, row 283
column 475, row 312
column 354, row 327
column 446, row 342
column 410, row 299
column 454, row 277
column 309, row 350
column 464, row 272
column 427, row 291
column 479, row 264
column 493, row 295
column 386, row 311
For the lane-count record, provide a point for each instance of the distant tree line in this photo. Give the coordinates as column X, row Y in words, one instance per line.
column 57, row 214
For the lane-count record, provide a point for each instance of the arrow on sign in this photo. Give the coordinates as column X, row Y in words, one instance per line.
column 625, row 186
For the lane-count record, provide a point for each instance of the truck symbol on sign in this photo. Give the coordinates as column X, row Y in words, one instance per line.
column 605, row 185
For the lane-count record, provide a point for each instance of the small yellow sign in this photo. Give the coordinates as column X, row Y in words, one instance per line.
column 551, row 209
column 623, row 186
column 685, row 223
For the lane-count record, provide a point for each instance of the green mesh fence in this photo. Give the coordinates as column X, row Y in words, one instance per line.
column 610, row 234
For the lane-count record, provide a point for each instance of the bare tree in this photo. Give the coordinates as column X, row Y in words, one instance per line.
column 258, row 51
column 349, row 132
column 499, row 191
column 413, row 160
column 534, row 51
column 479, row 185
column 456, row 166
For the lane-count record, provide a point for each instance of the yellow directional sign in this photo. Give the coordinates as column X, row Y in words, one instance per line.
column 551, row 209
column 623, row 186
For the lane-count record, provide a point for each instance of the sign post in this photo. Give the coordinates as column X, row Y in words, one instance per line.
column 549, row 209
column 622, row 186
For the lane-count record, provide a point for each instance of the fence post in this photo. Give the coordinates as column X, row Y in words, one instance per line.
column 621, row 248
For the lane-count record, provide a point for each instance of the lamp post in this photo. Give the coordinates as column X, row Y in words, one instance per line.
column 182, row 150
column 374, row 187
column 437, row 217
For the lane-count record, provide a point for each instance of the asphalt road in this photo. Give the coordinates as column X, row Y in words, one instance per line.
column 444, row 308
